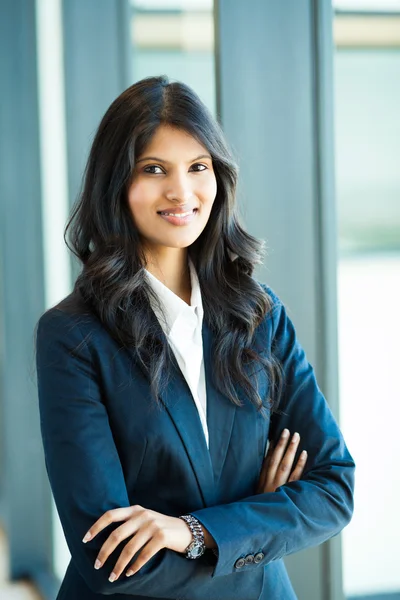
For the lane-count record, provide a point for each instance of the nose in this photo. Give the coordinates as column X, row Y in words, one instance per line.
column 179, row 187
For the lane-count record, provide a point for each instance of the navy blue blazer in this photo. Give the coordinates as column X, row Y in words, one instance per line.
column 107, row 445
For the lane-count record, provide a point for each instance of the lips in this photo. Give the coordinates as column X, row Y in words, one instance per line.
column 176, row 211
column 181, row 218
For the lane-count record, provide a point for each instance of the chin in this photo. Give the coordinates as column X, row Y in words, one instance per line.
column 184, row 242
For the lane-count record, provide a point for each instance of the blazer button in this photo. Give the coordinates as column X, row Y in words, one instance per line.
column 258, row 557
column 239, row 563
column 249, row 559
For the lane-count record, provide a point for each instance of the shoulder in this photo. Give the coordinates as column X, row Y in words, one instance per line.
column 275, row 302
column 71, row 315
column 267, row 328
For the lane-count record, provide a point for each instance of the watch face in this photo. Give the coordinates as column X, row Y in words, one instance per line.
column 195, row 550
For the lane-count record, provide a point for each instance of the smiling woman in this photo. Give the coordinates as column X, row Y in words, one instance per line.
column 168, row 371
column 179, row 189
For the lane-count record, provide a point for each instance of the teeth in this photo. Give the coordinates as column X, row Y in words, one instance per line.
column 179, row 215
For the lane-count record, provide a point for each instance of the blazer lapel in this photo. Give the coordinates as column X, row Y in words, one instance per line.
column 182, row 409
column 220, row 411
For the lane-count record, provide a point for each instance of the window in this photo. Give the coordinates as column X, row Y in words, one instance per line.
column 175, row 38
column 367, row 120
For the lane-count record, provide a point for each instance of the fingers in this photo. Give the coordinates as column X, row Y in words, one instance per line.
column 111, row 516
column 286, row 464
column 129, row 527
column 277, row 456
column 147, row 534
column 149, row 550
column 114, row 539
column 298, row 471
column 146, row 537
column 278, row 463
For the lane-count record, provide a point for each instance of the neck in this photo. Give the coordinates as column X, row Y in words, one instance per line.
column 170, row 266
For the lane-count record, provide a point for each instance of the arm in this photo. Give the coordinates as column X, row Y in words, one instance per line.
column 84, row 468
column 301, row 513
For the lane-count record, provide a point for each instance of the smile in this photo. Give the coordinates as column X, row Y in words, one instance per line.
column 179, row 219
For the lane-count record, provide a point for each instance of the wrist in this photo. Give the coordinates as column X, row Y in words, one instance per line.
column 197, row 546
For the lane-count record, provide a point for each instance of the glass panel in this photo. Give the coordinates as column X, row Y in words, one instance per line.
column 175, row 38
column 367, row 120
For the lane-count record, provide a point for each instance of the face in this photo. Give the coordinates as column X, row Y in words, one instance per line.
column 173, row 174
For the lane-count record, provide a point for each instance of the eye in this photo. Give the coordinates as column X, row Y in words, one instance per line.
column 203, row 167
column 146, row 170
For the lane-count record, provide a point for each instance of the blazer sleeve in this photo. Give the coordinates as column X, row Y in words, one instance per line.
column 84, row 469
column 298, row 514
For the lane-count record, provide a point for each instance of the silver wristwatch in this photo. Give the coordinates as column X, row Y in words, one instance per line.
column 196, row 547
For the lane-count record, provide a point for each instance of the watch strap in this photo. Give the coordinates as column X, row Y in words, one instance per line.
column 197, row 533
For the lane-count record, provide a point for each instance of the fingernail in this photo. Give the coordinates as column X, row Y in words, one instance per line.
column 112, row 577
column 97, row 564
column 129, row 573
column 285, row 432
column 87, row 537
column 304, row 453
column 295, row 437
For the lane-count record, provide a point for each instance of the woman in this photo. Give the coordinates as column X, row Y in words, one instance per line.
column 164, row 373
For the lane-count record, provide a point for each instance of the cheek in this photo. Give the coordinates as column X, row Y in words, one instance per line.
column 138, row 199
column 209, row 190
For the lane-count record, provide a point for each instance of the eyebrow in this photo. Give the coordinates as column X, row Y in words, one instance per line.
column 166, row 161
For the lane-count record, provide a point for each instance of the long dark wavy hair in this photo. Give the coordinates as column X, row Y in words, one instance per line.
column 103, row 236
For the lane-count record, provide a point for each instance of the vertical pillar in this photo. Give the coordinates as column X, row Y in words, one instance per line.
column 97, row 51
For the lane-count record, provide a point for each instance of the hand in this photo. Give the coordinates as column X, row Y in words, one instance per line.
column 277, row 464
column 151, row 531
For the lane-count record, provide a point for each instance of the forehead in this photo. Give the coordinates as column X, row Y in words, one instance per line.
column 173, row 143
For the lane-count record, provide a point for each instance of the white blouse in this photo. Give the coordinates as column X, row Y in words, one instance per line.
column 183, row 330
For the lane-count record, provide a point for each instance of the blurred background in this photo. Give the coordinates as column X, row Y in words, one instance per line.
column 308, row 93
